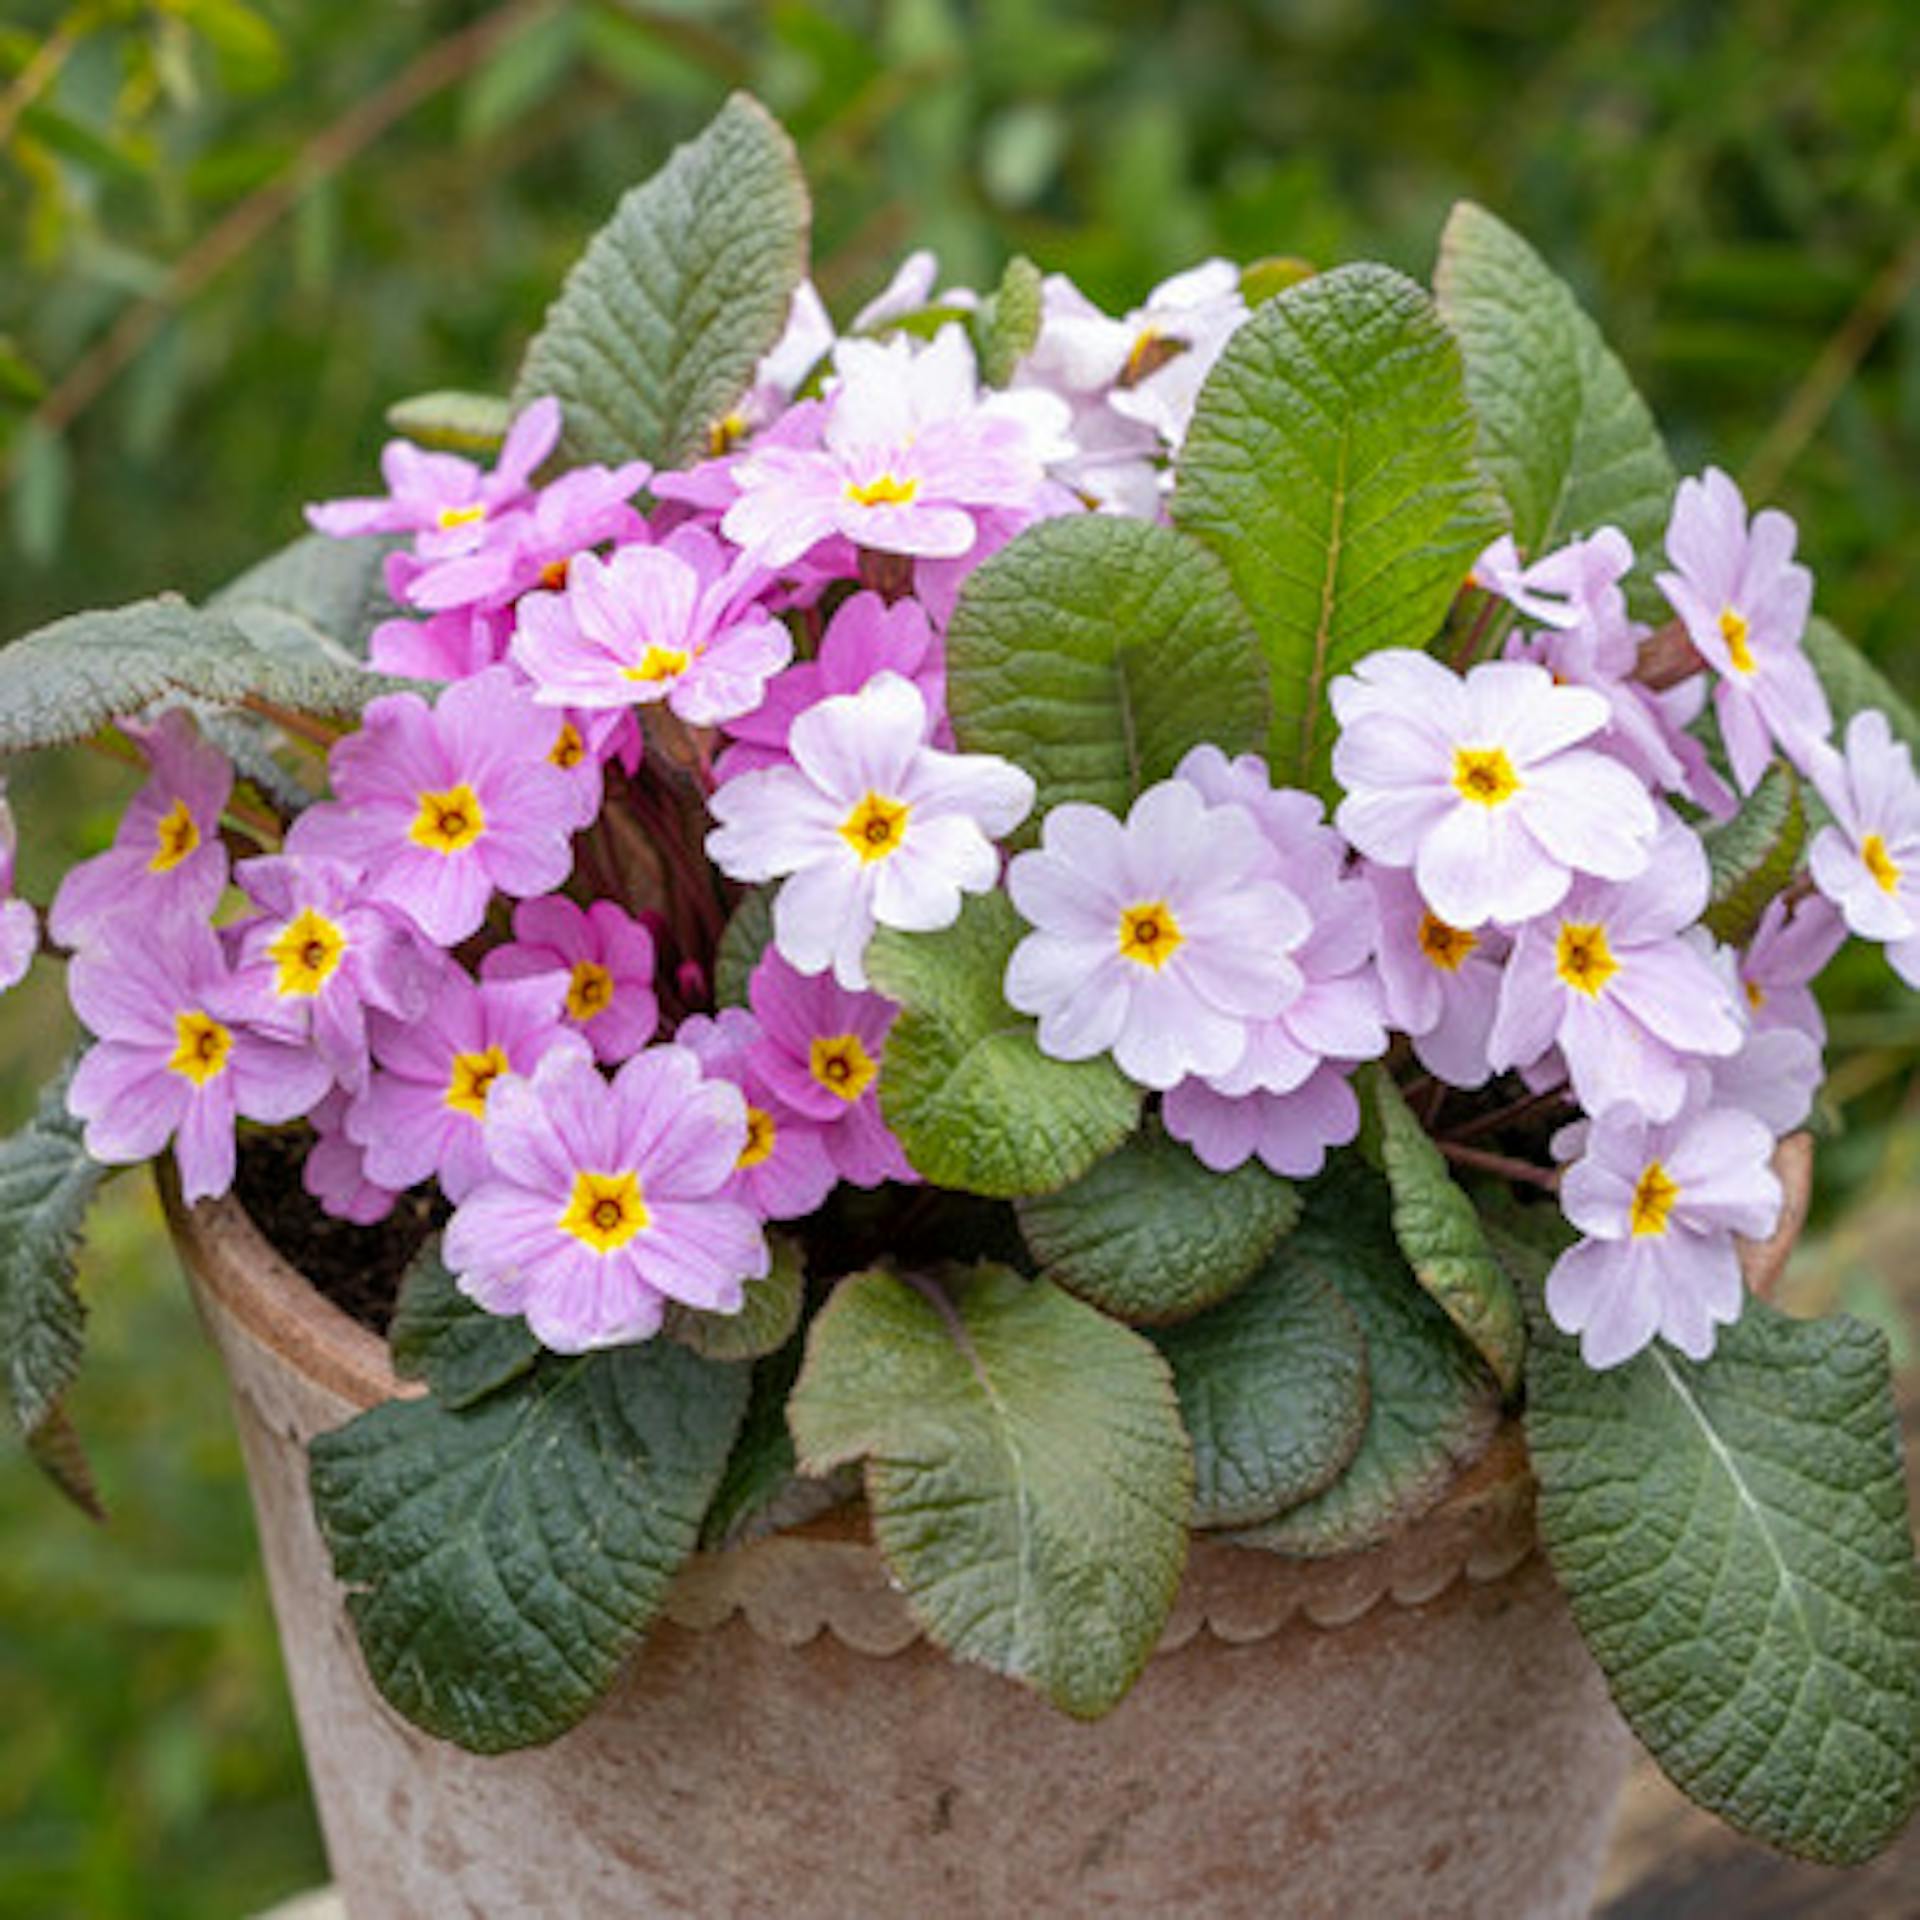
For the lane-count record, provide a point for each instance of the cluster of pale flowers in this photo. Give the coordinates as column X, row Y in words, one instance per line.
column 439, row 965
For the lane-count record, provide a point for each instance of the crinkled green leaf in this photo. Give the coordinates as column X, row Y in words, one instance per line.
column 1853, row 683
column 1433, row 1409
column 1095, row 652
column 964, row 1084
column 658, row 329
column 316, row 599
column 1563, row 431
column 1440, row 1233
column 1012, row 322
column 464, row 423
column 1028, row 1476
column 743, row 945
column 1149, row 1234
column 1273, row 1393
column 1755, row 855
column 763, row 1325
column 1331, row 465
column 763, row 1489
column 502, row 1560
column 458, row 1348
column 1733, row 1538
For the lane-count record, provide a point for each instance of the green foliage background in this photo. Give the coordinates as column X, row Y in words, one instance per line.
column 296, row 211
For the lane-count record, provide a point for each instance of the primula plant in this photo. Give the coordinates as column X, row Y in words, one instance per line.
column 1131, row 925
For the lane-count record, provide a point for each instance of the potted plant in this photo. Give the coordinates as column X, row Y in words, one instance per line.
column 1109, row 1000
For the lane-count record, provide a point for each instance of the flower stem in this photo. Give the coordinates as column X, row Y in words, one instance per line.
column 1499, row 1163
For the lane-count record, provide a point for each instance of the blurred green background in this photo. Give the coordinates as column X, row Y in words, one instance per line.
column 232, row 230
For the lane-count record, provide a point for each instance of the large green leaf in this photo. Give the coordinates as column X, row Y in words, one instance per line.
column 1562, row 430
column 763, row 1489
column 1009, row 323
column 1432, row 1409
column 1331, row 465
column 964, row 1084
column 1149, row 1234
column 767, row 1317
column 1095, row 652
column 503, row 1559
column 317, row 598
column 1273, row 1392
column 1029, row 1479
column 458, row 1348
column 1733, row 1538
column 658, row 329
column 1853, row 683
column 1755, row 855
column 1440, row 1233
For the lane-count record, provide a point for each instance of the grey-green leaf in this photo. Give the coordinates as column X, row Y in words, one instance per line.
column 1331, row 465
column 964, row 1084
column 1433, row 1408
column 1733, row 1538
column 763, row 1325
column 1150, row 1235
column 1095, row 652
column 658, row 328
column 464, row 423
column 1273, row 1392
column 317, row 598
column 1029, row 1479
column 1563, row 431
column 459, row 1349
column 763, row 1489
column 503, row 1560
column 1012, row 322
column 1853, row 683
column 1755, row 855
column 1440, row 1233
column 743, row 945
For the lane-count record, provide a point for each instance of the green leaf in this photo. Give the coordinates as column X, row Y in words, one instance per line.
column 1012, row 322
column 658, row 329
column 1330, row 464
column 1755, row 855
column 465, row 423
column 1273, row 1394
column 503, row 1560
column 964, row 1084
column 763, row 1490
column 460, row 1350
column 54, row 1447
column 1028, row 1476
column 743, row 945
column 1432, row 1408
column 317, row 598
column 1440, row 1233
column 763, row 1325
column 68, row 680
column 1095, row 652
column 1562, row 430
column 1149, row 1234
column 1853, row 683
column 1733, row 1538
column 1262, row 279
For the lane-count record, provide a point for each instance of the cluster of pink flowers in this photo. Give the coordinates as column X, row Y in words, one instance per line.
column 649, row 676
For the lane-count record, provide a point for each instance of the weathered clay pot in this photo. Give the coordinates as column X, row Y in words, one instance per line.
column 1414, row 1731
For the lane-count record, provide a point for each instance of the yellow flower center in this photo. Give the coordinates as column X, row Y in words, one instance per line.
column 1583, row 960
column 842, row 1065
column 451, row 517
column 1880, row 863
column 569, row 749
column 1756, row 994
column 1734, row 631
column 306, row 954
column 886, row 491
column 1446, row 947
column 589, row 992
column 1654, row 1196
column 203, row 1047
column 762, row 1136
column 553, row 576
column 660, row 663
column 605, row 1210
column 726, row 433
column 1149, row 934
column 449, row 822
column 1484, row 775
column 472, row 1080
column 1151, row 351
column 174, row 838
column 876, row 827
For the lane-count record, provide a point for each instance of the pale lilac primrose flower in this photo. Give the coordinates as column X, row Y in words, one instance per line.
column 1775, row 1077
column 1290, row 1133
column 19, row 924
column 447, row 503
column 444, row 806
column 182, row 1050
column 167, row 857
column 805, row 341
column 603, row 1202
column 1577, row 585
column 335, row 1169
column 1613, row 978
column 785, row 1170
column 1441, row 982
column 323, row 955
column 869, row 827
column 1789, row 950
column 1744, row 602
column 1868, row 862
column 679, row 622
column 1482, row 786
column 420, row 1116
column 600, row 961
column 909, row 291
column 820, row 1052
column 1660, row 1204
column 1163, row 940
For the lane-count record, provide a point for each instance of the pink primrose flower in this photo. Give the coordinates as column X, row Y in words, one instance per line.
column 1290, row 1132
column 602, row 1202
column 599, row 960
column 335, row 1169
column 19, row 924
column 1868, row 862
column 1441, row 982
column 444, row 646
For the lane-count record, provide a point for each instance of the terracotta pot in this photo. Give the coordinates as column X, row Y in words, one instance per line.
column 1414, row 1731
